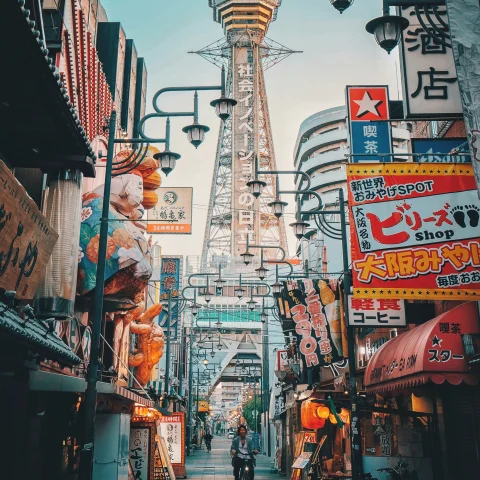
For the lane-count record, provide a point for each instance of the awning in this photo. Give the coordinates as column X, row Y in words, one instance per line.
column 432, row 352
column 54, row 382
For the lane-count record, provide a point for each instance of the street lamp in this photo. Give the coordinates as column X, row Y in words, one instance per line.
column 251, row 304
column 299, row 228
column 278, row 207
column 167, row 160
column 223, row 107
column 247, row 257
column 195, row 133
column 262, row 272
column 240, row 291
column 208, row 296
column 277, row 288
column 341, row 5
column 263, row 317
column 256, row 187
column 194, row 308
column 205, row 361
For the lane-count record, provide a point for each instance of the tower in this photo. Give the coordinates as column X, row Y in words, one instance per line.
column 235, row 214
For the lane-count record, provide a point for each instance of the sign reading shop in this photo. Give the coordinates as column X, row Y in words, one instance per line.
column 26, row 238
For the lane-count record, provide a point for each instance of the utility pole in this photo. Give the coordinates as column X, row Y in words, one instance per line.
column 190, row 391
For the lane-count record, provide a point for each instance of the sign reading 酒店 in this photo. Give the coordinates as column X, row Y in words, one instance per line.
column 26, row 238
column 415, row 231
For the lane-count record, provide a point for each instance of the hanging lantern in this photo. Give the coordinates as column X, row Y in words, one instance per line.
column 323, row 412
column 309, row 416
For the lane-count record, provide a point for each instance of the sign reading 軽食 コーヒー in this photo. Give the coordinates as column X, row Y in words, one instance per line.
column 26, row 238
column 415, row 231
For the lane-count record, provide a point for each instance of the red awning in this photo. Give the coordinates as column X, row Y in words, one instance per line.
column 432, row 352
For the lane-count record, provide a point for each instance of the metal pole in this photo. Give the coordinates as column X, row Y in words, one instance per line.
column 167, row 360
column 355, row 438
column 190, row 392
column 90, row 399
column 180, row 362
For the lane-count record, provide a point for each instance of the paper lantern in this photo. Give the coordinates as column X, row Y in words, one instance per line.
column 309, row 416
column 150, row 199
column 323, row 412
column 152, row 182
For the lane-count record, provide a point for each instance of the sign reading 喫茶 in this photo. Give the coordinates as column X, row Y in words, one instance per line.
column 173, row 212
column 371, row 312
column 172, row 431
column 430, row 82
column 369, row 137
column 415, row 231
column 315, row 310
column 171, row 270
column 26, row 238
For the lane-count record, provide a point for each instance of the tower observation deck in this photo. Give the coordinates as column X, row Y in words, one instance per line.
column 235, row 214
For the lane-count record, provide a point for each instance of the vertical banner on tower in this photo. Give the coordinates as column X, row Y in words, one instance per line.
column 244, row 149
column 369, row 136
column 171, row 270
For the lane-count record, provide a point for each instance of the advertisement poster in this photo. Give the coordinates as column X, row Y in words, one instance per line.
column 139, row 452
column 173, row 212
column 171, row 270
column 415, row 231
column 171, row 429
column 315, row 309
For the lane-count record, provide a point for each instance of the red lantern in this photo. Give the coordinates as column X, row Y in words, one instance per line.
column 309, row 416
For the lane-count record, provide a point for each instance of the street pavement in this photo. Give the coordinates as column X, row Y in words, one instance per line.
column 216, row 465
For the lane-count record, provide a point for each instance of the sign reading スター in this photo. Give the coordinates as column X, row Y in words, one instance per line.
column 173, row 212
column 415, row 231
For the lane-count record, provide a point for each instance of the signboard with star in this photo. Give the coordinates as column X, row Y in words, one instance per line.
column 368, row 115
column 430, row 85
column 415, row 231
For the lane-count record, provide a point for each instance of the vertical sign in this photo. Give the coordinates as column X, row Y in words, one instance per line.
column 172, row 430
column 369, row 137
column 430, row 85
column 171, row 270
column 245, row 149
column 173, row 212
column 139, row 452
column 282, row 361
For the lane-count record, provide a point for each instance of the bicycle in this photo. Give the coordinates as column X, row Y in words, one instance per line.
column 400, row 472
column 245, row 469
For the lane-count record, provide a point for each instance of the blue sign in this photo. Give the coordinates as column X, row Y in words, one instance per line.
column 170, row 282
column 370, row 139
column 438, row 150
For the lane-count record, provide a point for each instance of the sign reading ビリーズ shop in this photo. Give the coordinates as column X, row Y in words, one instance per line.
column 415, row 231
column 26, row 238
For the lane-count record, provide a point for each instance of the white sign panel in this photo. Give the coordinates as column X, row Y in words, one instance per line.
column 171, row 429
column 282, row 361
column 428, row 69
column 173, row 212
column 139, row 452
column 376, row 312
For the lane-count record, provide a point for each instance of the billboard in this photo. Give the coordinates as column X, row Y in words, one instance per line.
column 171, row 270
column 171, row 428
column 430, row 85
column 369, row 137
column 315, row 309
column 376, row 312
column 173, row 212
column 414, row 231
column 439, row 150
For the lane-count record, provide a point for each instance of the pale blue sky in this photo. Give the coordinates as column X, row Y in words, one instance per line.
column 336, row 51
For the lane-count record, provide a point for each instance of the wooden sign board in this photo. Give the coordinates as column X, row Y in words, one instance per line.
column 26, row 238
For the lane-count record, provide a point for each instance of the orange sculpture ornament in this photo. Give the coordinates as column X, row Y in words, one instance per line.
column 151, row 341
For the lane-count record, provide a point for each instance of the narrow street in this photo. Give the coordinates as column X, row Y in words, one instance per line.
column 216, row 465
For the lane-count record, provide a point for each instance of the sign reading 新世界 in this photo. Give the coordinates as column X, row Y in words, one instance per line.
column 368, row 114
column 428, row 68
column 173, row 212
column 415, row 231
column 26, row 238
column 380, row 312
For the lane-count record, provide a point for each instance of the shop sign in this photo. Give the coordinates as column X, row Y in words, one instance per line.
column 380, row 312
column 171, row 428
column 171, row 269
column 282, row 361
column 369, row 136
column 279, row 406
column 26, row 238
column 173, row 212
column 430, row 85
column 203, row 406
column 415, row 231
column 139, row 452
column 315, row 309
column 441, row 150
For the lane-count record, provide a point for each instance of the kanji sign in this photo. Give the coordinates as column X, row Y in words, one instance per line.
column 171, row 428
column 369, row 137
column 173, row 212
column 371, row 312
column 282, row 361
column 416, row 227
column 441, row 150
column 315, row 309
column 428, row 68
column 139, row 451
column 171, row 270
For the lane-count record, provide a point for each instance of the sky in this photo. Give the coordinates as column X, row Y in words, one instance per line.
column 337, row 51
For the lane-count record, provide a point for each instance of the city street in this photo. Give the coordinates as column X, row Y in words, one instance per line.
column 216, row 465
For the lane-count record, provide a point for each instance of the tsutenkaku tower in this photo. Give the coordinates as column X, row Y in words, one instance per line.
column 234, row 213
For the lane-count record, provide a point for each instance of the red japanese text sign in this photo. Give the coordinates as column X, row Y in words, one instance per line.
column 376, row 312
column 414, row 231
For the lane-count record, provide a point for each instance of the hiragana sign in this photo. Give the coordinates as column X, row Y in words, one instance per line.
column 415, row 231
column 369, row 135
column 430, row 85
column 170, row 282
column 171, row 428
column 376, row 312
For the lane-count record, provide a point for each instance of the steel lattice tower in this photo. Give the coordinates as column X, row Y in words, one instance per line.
column 245, row 52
